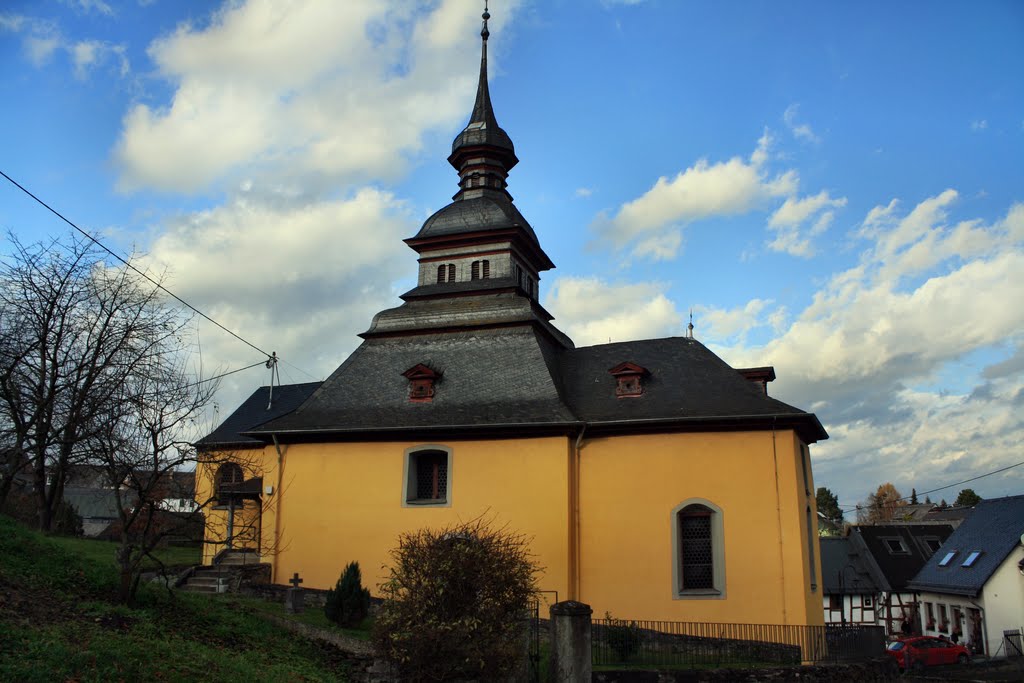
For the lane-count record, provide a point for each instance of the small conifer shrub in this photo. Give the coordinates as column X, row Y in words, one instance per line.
column 348, row 602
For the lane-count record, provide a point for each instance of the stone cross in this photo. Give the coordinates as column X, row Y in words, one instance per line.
column 294, row 602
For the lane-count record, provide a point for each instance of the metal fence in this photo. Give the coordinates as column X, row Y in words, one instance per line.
column 622, row 642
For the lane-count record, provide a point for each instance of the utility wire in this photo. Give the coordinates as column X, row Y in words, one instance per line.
column 947, row 486
column 129, row 265
column 224, row 374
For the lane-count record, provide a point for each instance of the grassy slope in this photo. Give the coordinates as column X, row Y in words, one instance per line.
column 57, row 622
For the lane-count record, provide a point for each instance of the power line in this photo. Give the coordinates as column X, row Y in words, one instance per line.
column 129, row 265
column 947, row 486
column 224, row 374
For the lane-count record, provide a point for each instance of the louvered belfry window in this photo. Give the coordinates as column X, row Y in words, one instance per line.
column 475, row 271
column 431, row 476
column 696, row 556
column 486, row 267
column 441, row 271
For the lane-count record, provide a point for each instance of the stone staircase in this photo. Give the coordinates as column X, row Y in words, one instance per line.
column 217, row 578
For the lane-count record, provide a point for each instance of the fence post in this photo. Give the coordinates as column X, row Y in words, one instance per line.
column 570, row 642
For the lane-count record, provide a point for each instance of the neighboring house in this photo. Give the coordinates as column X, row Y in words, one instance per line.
column 653, row 480
column 96, row 506
column 893, row 554
column 974, row 586
column 850, row 593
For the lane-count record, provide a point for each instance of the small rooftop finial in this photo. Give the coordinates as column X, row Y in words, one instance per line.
column 689, row 328
column 484, row 33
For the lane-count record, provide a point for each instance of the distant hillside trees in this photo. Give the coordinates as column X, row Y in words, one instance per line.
column 828, row 507
column 881, row 506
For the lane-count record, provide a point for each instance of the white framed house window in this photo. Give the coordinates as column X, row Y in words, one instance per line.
column 698, row 550
column 427, row 477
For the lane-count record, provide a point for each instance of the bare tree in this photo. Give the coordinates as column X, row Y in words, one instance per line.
column 75, row 336
column 146, row 438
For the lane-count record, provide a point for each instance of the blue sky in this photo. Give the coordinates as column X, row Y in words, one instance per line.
column 835, row 189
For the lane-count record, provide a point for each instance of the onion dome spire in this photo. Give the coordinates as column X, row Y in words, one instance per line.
column 482, row 153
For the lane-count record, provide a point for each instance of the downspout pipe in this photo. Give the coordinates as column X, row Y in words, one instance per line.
column 277, row 505
column 574, row 514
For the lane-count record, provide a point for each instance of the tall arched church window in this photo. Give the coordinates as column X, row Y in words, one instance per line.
column 698, row 545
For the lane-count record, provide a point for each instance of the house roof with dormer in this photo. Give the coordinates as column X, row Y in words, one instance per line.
column 994, row 531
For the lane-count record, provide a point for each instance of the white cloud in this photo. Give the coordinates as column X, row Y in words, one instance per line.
column 979, row 125
column 87, row 6
column 800, row 131
column 284, row 272
column 11, row 22
column 583, row 192
column 40, row 48
column 788, row 219
column 43, row 39
column 592, row 311
column 732, row 187
column 251, row 97
column 925, row 296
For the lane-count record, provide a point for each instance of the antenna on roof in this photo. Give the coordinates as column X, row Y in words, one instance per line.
column 272, row 366
column 689, row 328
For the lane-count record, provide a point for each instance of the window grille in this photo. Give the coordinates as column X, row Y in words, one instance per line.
column 431, row 476
column 695, row 548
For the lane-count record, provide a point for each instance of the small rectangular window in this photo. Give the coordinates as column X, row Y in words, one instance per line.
column 947, row 559
column 428, row 478
column 895, row 546
column 971, row 558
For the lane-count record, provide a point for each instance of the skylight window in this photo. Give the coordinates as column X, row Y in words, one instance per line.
column 971, row 558
column 947, row 559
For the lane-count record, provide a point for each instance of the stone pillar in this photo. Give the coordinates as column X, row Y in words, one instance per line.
column 570, row 642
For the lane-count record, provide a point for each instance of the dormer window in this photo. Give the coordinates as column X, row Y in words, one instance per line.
column 421, row 383
column 480, row 270
column 629, row 379
column 446, row 273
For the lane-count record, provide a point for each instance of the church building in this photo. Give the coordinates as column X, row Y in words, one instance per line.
column 654, row 480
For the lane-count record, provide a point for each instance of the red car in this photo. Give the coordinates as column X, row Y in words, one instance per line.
column 921, row 651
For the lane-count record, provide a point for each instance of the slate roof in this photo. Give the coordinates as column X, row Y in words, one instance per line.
column 490, row 212
column 488, row 378
column 994, row 529
column 843, row 568
column 499, row 378
column 254, row 412
column 92, row 503
column 895, row 569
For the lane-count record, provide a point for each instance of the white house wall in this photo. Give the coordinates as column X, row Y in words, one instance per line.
column 1003, row 600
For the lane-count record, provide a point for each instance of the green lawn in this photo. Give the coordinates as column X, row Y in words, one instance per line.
column 103, row 551
column 58, row 623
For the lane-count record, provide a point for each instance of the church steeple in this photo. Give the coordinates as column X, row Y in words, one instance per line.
column 482, row 153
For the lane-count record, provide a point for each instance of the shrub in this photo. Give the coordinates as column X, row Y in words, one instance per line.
column 455, row 603
column 622, row 637
column 348, row 602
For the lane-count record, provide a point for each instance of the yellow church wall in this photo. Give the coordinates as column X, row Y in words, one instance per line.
column 341, row 502
column 629, row 486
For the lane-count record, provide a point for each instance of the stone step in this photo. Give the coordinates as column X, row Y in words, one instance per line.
column 193, row 588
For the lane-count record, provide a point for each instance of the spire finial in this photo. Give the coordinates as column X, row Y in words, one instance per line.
column 484, row 33
column 689, row 328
